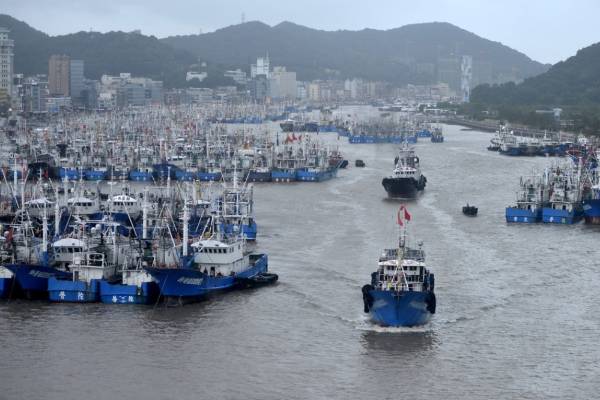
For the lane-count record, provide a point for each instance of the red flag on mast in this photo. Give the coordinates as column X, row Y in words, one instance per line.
column 403, row 215
column 406, row 214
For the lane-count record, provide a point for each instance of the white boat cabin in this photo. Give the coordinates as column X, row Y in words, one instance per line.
column 91, row 266
column 124, row 204
column 36, row 207
column 68, row 249
column 217, row 258
column 82, row 206
column 405, row 275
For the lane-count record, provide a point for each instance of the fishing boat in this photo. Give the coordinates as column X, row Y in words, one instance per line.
column 135, row 287
column 532, row 196
column 401, row 292
column 565, row 205
column 84, row 284
column 287, row 159
column 591, row 206
column 237, row 208
column 470, row 210
column 214, row 265
column 33, row 266
column 406, row 179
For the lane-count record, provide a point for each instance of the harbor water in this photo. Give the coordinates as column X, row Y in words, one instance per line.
column 516, row 317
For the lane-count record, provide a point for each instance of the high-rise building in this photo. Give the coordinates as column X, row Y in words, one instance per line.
column 259, row 87
column 466, row 77
column 282, row 84
column 59, row 71
column 449, row 71
column 261, row 67
column 76, row 80
column 6, row 62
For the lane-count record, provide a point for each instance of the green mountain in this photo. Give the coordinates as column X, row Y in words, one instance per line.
column 575, row 81
column 103, row 53
column 572, row 85
column 419, row 53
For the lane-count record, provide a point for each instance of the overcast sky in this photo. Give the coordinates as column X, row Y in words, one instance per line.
column 546, row 30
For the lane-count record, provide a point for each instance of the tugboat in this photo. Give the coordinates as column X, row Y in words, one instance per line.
column 406, row 179
column 470, row 210
column 401, row 292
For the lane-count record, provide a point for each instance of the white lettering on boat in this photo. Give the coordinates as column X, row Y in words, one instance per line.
column 190, row 281
column 40, row 274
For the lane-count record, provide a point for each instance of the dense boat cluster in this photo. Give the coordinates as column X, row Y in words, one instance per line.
column 120, row 243
column 391, row 131
column 507, row 143
column 564, row 193
column 150, row 144
column 143, row 205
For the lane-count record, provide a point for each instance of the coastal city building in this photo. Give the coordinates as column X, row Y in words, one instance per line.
column 125, row 90
column 282, row 84
column 262, row 67
column 238, row 76
column 195, row 75
column 59, row 70
column 6, row 62
column 76, row 80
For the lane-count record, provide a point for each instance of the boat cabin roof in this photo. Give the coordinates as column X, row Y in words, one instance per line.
column 41, row 200
column 69, row 242
column 124, row 198
column 210, row 244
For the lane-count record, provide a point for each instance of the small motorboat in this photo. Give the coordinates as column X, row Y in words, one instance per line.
column 469, row 210
column 359, row 163
column 257, row 281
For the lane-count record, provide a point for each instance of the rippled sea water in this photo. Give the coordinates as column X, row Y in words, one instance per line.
column 517, row 305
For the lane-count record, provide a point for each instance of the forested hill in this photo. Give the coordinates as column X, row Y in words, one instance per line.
column 409, row 54
column 103, row 53
column 575, row 81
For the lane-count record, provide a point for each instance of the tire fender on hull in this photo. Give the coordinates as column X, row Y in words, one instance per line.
column 367, row 298
column 431, row 302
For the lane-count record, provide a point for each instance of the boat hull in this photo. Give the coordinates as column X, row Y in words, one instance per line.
column 140, row 176
column 183, row 285
column 117, row 293
column 255, row 176
column 519, row 215
column 591, row 211
column 69, row 291
column 33, row 279
column 283, row 175
column 402, row 187
column 6, row 286
column 400, row 309
column 561, row 217
column 94, row 175
column 304, row 175
column 209, row 176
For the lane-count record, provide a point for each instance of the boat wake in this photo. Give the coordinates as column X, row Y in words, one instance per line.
column 365, row 324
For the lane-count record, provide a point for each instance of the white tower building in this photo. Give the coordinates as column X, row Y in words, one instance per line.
column 6, row 62
column 466, row 77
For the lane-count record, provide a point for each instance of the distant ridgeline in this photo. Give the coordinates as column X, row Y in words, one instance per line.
column 417, row 54
column 573, row 85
